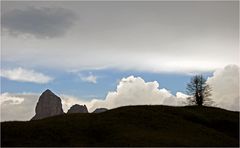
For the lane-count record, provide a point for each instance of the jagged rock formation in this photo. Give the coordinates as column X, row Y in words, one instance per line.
column 48, row 105
column 100, row 110
column 78, row 109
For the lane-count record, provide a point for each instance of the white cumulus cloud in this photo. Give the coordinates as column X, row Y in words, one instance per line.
column 135, row 91
column 25, row 75
column 90, row 78
column 225, row 87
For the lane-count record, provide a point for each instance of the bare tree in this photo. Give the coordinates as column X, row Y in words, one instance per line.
column 199, row 91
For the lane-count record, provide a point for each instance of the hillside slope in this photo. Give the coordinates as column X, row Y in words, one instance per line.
column 129, row 126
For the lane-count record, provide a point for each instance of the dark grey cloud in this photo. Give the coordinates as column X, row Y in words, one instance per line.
column 40, row 22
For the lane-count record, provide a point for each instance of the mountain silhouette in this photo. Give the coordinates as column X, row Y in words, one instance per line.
column 48, row 105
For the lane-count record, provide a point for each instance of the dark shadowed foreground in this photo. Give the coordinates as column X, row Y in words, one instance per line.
column 129, row 126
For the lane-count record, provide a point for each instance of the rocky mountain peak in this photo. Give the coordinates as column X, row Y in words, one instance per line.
column 47, row 91
column 78, row 109
column 48, row 105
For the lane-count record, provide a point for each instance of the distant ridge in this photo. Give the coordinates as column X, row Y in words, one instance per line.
column 100, row 110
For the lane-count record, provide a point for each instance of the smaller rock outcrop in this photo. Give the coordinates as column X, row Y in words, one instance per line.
column 78, row 109
column 48, row 105
column 100, row 110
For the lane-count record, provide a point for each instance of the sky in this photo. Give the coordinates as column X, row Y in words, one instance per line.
column 109, row 54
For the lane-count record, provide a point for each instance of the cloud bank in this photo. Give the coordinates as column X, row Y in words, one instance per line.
column 18, row 106
column 132, row 91
column 25, row 75
column 141, row 36
column 7, row 99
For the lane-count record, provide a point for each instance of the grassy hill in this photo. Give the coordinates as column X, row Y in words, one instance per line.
column 129, row 126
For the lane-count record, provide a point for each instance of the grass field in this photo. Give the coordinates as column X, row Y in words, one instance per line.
column 129, row 126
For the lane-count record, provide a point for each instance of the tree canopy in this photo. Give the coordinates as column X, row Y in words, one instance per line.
column 199, row 91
